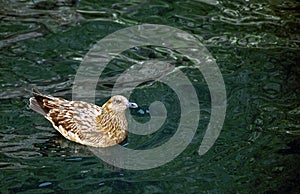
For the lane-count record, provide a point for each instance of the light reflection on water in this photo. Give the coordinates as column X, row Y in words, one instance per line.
column 255, row 45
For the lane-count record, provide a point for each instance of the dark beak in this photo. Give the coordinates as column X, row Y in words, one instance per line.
column 132, row 105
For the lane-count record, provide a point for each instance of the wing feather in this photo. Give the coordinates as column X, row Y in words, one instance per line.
column 75, row 120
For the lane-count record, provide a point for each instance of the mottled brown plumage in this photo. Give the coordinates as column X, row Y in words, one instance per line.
column 83, row 122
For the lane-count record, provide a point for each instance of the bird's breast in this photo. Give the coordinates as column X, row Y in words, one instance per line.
column 115, row 126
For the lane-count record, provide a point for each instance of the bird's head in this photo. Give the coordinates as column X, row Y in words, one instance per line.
column 118, row 104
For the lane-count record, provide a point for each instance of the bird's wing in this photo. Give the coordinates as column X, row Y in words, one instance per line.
column 75, row 120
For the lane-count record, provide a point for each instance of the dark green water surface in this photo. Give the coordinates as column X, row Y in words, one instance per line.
column 256, row 46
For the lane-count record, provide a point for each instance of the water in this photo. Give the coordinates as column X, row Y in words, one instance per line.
column 256, row 46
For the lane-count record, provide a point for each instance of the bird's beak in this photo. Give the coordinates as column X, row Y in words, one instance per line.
column 132, row 105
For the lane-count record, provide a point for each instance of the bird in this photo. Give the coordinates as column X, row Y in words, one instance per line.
column 85, row 123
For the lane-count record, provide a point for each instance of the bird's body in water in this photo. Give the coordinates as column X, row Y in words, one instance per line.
column 83, row 122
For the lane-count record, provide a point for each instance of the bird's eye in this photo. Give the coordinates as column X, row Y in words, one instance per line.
column 117, row 101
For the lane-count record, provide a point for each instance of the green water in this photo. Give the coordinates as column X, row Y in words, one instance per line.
column 256, row 46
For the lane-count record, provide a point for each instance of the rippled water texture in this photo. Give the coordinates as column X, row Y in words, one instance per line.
column 255, row 44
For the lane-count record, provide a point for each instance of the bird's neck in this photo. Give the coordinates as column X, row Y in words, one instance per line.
column 110, row 118
column 108, row 111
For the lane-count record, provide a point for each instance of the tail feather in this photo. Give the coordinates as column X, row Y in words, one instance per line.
column 36, row 102
column 34, row 105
